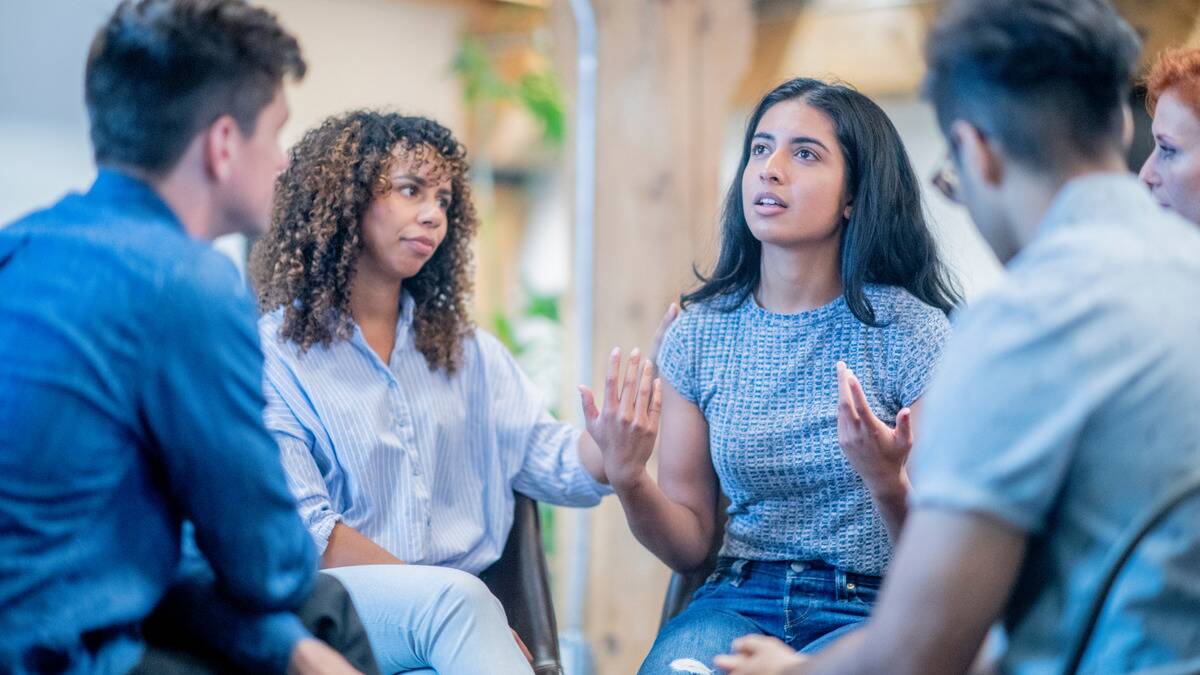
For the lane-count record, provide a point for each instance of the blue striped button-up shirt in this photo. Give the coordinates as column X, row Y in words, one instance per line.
column 422, row 463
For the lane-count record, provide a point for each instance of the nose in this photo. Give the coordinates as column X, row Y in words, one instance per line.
column 1149, row 174
column 431, row 214
column 771, row 171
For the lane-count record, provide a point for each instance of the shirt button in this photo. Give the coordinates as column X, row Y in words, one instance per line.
column 850, row 585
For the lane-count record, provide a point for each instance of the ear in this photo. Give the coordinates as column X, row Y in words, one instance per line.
column 1126, row 127
column 847, row 211
column 221, row 144
column 979, row 154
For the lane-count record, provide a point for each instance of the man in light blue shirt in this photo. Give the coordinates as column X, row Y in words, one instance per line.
column 1068, row 400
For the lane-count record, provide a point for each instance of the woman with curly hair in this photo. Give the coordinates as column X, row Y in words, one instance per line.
column 404, row 430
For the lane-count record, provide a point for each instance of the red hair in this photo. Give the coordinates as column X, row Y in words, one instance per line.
column 1176, row 69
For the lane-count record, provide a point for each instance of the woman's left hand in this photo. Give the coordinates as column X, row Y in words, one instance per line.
column 761, row 655
column 876, row 451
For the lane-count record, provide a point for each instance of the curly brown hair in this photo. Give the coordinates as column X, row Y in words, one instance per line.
column 306, row 261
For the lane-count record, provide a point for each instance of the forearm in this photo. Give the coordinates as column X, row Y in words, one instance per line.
column 349, row 547
column 671, row 531
column 892, row 503
column 591, row 458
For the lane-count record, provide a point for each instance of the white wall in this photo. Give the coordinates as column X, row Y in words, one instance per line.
column 361, row 53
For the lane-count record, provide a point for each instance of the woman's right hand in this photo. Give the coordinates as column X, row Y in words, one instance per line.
column 628, row 426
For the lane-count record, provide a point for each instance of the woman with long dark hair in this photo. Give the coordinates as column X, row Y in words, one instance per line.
column 788, row 383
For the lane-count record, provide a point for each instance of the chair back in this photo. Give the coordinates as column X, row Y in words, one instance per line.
column 520, row 580
column 1120, row 554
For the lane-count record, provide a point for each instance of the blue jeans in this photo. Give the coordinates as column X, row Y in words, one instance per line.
column 807, row 605
column 424, row 619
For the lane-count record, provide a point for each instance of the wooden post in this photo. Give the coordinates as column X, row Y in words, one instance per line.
column 668, row 70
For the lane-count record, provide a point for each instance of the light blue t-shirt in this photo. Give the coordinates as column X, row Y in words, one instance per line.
column 767, row 385
column 1068, row 400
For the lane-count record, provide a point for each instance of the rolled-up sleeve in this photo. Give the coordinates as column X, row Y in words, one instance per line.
column 547, row 449
column 297, row 446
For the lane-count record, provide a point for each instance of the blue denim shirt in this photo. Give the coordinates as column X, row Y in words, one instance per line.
column 131, row 401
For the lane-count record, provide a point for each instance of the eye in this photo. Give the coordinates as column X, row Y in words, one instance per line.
column 806, row 154
column 408, row 190
column 443, row 203
column 757, row 149
column 1165, row 151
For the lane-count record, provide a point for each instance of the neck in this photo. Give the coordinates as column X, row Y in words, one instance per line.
column 185, row 190
column 1030, row 194
column 375, row 300
column 799, row 279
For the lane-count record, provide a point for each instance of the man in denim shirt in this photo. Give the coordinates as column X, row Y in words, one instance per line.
column 130, row 369
column 1068, row 401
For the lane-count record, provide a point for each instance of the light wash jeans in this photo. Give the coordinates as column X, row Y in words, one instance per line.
column 807, row 605
column 426, row 620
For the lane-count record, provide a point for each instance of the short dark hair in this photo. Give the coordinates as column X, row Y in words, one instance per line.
column 886, row 240
column 1047, row 78
column 160, row 71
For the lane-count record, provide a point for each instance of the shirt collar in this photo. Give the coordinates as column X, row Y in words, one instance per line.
column 112, row 185
column 1099, row 197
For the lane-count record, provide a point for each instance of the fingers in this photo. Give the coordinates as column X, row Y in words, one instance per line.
column 588, row 401
column 628, row 395
column 732, row 664
column 668, row 318
column 656, row 404
column 860, row 398
column 521, row 644
column 641, row 407
column 904, row 428
column 846, row 401
column 610, row 379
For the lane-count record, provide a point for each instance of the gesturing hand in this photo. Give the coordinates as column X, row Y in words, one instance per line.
column 876, row 451
column 628, row 426
column 760, row 655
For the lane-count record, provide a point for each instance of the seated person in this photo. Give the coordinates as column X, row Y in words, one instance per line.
column 1172, row 171
column 404, row 429
column 130, row 372
column 1066, row 404
column 790, row 382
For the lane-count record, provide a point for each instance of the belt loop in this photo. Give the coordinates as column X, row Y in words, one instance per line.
column 841, row 587
column 738, row 570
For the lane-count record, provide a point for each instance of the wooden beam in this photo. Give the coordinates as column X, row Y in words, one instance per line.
column 667, row 74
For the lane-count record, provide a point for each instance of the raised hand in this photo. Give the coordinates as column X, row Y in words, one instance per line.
column 876, row 451
column 628, row 426
column 760, row 655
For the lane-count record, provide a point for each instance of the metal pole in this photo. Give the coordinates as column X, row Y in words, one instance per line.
column 577, row 656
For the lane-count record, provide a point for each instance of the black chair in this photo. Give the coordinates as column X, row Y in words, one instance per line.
column 684, row 584
column 1120, row 554
column 519, row 579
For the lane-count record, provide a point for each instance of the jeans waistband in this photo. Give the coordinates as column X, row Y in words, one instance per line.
column 742, row 567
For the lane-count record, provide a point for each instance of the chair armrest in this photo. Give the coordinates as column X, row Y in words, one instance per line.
column 520, row 580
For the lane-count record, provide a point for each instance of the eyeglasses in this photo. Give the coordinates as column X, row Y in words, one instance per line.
column 945, row 179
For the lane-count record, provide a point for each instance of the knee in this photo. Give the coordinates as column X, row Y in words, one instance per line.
column 465, row 588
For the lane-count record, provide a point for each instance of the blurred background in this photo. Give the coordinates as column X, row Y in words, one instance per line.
column 676, row 81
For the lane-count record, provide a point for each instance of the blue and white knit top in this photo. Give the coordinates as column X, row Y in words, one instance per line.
column 767, row 385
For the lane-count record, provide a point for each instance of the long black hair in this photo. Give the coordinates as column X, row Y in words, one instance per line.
column 886, row 240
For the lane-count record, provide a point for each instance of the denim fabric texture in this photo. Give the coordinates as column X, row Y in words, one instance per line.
column 806, row 604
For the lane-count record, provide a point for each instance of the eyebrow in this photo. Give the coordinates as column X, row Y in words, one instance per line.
column 795, row 141
column 421, row 181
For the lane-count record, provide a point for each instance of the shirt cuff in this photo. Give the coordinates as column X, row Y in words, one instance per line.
column 321, row 526
column 954, row 495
